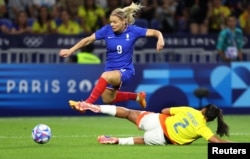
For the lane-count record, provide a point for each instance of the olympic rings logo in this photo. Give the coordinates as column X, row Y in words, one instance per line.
column 33, row 41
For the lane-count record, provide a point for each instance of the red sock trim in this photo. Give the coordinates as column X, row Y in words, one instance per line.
column 124, row 96
column 97, row 91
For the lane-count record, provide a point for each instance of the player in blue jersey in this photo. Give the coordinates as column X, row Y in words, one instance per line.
column 120, row 36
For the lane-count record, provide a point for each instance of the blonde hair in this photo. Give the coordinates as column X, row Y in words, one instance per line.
column 128, row 12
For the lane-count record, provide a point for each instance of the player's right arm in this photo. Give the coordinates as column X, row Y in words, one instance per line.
column 84, row 42
column 160, row 43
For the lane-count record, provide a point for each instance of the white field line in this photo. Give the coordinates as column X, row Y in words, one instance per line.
column 69, row 136
column 88, row 136
column 240, row 134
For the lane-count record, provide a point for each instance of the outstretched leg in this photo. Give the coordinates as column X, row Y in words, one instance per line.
column 112, row 110
column 120, row 141
column 125, row 113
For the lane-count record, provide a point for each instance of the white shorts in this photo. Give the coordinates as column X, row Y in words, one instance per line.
column 153, row 135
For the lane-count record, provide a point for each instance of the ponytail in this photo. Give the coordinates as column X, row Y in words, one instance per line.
column 128, row 12
column 212, row 111
column 222, row 127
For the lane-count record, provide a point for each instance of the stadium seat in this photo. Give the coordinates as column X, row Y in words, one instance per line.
column 6, row 22
column 141, row 23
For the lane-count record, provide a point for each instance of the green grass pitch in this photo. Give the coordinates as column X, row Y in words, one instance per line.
column 76, row 138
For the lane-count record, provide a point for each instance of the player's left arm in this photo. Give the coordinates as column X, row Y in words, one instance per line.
column 159, row 36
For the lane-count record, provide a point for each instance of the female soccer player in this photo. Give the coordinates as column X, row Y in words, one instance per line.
column 120, row 36
column 176, row 125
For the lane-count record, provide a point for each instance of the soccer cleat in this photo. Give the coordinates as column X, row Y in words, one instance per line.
column 75, row 105
column 107, row 140
column 83, row 106
column 142, row 99
column 87, row 106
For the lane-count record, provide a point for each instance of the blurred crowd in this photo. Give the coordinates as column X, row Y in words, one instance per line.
column 71, row 17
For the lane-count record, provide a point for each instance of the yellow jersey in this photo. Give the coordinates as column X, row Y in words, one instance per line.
column 244, row 20
column 91, row 17
column 72, row 28
column 185, row 125
column 216, row 18
column 43, row 29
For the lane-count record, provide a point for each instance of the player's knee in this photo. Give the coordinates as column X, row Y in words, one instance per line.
column 104, row 75
column 112, row 77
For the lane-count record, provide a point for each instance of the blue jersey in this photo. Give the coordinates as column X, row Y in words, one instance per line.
column 119, row 54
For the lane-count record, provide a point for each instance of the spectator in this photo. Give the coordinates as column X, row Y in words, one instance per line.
column 15, row 6
column 44, row 23
column 197, row 11
column 165, row 14
column 111, row 5
column 244, row 20
column 217, row 15
column 149, row 11
column 3, row 9
column 4, row 29
column 68, row 26
column 20, row 26
column 230, row 41
column 236, row 6
column 181, row 16
column 70, row 5
column 92, row 17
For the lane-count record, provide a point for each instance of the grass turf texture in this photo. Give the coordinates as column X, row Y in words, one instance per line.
column 76, row 137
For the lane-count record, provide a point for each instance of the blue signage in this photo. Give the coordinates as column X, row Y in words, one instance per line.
column 207, row 42
column 28, row 87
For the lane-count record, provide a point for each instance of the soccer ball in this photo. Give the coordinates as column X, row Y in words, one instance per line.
column 41, row 133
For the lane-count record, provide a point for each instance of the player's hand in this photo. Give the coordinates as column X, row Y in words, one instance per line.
column 64, row 52
column 160, row 45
